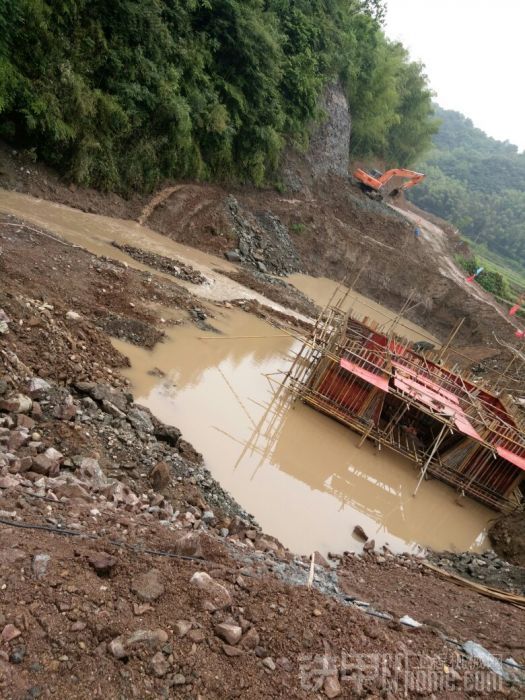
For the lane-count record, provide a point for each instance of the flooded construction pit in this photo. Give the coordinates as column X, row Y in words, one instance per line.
column 298, row 472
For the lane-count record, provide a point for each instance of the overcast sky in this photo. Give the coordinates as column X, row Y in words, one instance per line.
column 474, row 57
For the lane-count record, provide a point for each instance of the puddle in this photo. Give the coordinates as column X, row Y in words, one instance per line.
column 298, row 472
column 321, row 291
column 95, row 233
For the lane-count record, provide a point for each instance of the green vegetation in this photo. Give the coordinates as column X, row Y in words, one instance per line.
column 123, row 94
column 491, row 280
column 511, row 270
column 477, row 183
column 297, row 228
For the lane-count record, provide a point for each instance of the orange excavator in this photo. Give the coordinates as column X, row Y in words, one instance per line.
column 380, row 185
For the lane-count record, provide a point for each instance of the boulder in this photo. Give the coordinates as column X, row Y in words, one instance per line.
column 169, row 434
column 160, row 476
column 18, row 403
column 182, row 627
column 189, row 545
column 214, row 596
column 229, row 633
column 140, row 420
column 42, row 464
column 102, row 562
column 159, row 664
column 251, row 639
column 148, row 587
column 91, row 472
column 38, row 388
column 332, row 687
column 40, row 565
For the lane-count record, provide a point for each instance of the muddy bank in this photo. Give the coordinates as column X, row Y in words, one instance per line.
column 508, row 537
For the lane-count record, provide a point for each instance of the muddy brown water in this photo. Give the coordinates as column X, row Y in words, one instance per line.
column 95, row 233
column 323, row 291
column 299, row 472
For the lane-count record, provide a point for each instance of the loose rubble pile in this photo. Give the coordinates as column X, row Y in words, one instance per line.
column 141, row 452
column 176, row 269
column 276, row 289
column 486, row 568
column 263, row 241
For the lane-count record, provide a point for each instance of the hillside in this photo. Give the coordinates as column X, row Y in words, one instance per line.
column 477, row 183
column 120, row 98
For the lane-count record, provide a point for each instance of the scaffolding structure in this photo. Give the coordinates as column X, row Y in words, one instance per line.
column 373, row 381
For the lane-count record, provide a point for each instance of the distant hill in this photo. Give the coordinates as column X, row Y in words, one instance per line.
column 477, row 183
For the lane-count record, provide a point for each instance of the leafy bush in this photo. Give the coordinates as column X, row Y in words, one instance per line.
column 490, row 280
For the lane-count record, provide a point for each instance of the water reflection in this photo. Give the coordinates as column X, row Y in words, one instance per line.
column 299, row 472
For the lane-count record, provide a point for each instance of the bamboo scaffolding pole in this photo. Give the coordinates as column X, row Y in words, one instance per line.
column 451, row 338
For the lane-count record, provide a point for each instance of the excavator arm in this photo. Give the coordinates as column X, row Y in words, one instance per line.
column 389, row 183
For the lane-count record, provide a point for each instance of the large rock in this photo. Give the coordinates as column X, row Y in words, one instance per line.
column 251, row 639
column 120, row 493
column 332, row 687
column 103, row 392
column 148, row 587
column 182, row 627
column 328, row 152
column 169, row 434
column 40, row 564
column 18, row 403
column 159, row 664
column 46, row 464
column 38, row 388
column 70, row 488
column 230, row 634
column 160, row 476
column 140, row 420
column 102, row 562
column 121, row 647
column 91, row 472
column 213, row 595
column 330, row 144
column 190, row 544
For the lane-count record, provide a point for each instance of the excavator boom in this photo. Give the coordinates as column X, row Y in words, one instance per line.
column 389, row 183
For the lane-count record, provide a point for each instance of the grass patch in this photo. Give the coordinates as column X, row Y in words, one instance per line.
column 297, row 228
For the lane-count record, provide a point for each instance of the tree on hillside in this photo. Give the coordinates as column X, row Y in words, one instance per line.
column 120, row 95
column 477, row 183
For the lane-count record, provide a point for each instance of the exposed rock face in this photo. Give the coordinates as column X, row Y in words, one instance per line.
column 264, row 242
column 328, row 153
column 329, row 146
